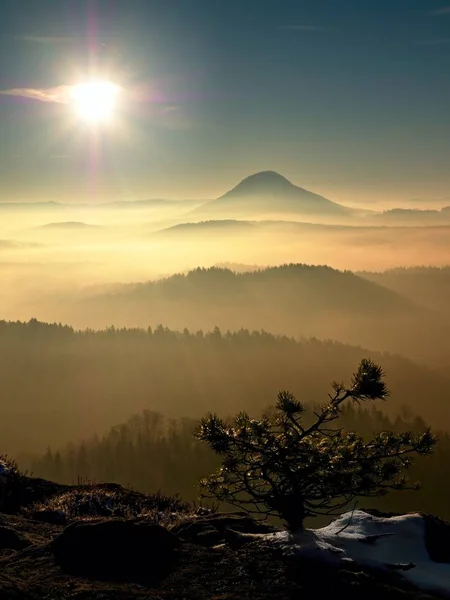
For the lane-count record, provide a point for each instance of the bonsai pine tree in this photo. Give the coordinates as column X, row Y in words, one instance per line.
column 278, row 465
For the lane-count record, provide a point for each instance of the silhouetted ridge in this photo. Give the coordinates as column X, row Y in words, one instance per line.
column 268, row 193
column 263, row 182
column 310, row 287
column 222, row 224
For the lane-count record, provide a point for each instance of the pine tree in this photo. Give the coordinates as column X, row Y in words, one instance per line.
column 277, row 465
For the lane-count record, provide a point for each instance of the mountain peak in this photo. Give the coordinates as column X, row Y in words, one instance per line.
column 267, row 177
column 267, row 193
column 264, row 181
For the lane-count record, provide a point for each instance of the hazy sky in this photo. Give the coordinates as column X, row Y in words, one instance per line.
column 349, row 98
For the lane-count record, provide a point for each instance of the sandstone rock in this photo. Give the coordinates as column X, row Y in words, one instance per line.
column 115, row 549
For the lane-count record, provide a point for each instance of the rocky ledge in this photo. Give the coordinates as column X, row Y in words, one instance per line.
column 105, row 542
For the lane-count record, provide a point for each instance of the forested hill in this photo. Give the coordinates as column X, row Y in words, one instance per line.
column 60, row 385
column 427, row 286
column 296, row 299
column 305, row 287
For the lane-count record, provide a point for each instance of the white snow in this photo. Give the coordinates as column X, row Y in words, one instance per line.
column 398, row 540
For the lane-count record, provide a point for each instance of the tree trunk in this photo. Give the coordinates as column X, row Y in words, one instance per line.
column 293, row 513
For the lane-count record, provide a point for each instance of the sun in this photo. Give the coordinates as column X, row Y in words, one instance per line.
column 95, row 101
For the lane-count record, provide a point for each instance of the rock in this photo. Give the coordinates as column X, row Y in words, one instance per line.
column 115, row 549
column 11, row 540
column 236, row 539
column 54, row 517
column 24, row 491
column 215, row 529
column 207, row 536
column 437, row 534
column 437, row 538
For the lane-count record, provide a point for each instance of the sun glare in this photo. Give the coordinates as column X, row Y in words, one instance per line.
column 95, row 101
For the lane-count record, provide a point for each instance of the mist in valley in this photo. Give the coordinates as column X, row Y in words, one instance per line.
column 53, row 255
column 224, row 284
column 124, row 323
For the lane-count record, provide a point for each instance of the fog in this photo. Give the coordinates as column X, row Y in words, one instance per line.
column 92, row 267
column 52, row 253
column 159, row 302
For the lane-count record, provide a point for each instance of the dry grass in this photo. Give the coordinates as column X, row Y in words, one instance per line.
column 112, row 500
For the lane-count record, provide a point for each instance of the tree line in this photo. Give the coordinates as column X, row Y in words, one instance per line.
column 151, row 452
column 61, row 385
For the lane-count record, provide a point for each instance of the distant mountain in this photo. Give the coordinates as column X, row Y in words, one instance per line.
column 68, row 225
column 413, row 216
column 269, row 193
column 427, row 286
column 232, row 226
column 224, row 225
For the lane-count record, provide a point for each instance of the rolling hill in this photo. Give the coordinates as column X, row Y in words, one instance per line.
column 308, row 287
column 232, row 226
column 427, row 286
column 226, row 226
column 296, row 299
column 68, row 225
column 413, row 217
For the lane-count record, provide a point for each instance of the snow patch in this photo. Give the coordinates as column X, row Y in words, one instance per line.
column 386, row 543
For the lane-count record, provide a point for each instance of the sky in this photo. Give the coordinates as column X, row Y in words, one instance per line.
column 348, row 98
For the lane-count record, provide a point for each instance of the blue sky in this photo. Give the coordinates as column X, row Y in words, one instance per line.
column 346, row 97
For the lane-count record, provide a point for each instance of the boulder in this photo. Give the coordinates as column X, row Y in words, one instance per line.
column 54, row 517
column 218, row 528
column 11, row 540
column 115, row 548
column 437, row 538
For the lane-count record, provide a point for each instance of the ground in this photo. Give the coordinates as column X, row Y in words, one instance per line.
column 216, row 556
